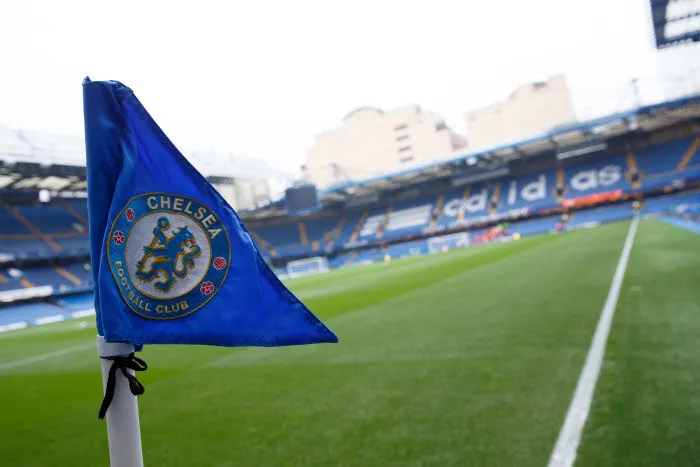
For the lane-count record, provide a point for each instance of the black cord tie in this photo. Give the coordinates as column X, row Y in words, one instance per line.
column 124, row 364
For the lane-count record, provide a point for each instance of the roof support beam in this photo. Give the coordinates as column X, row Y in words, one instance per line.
column 520, row 152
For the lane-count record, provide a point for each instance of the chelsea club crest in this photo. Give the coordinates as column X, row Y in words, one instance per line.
column 169, row 255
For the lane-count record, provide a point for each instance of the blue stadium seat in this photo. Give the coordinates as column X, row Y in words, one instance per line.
column 26, row 248
column 45, row 276
column 60, row 277
column 352, row 220
column 77, row 302
column 8, row 282
column 30, row 313
column 80, row 207
column 450, row 207
column 371, row 224
column 73, row 246
column 284, row 237
column 51, row 219
column 318, row 228
column 80, row 270
column 657, row 205
column 671, row 179
column 662, row 158
column 9, row 224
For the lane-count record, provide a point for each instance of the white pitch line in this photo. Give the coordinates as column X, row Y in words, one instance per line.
column 44, row 356
column 564, row 453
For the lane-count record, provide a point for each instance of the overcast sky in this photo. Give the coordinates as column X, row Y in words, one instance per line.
column 261, row 78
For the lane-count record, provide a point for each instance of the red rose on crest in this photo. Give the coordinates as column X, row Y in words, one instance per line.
column 130, row 214
column 207, row 288
column 118, row 237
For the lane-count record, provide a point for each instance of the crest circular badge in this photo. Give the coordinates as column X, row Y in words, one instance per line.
column 169, row 255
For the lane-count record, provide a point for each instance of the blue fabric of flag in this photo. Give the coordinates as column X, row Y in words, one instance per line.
column 172, row 261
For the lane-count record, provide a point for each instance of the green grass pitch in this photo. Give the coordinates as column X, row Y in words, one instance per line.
column 463, row 358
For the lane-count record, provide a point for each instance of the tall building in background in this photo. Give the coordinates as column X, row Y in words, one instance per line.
column 373, row 142
column 531, row 110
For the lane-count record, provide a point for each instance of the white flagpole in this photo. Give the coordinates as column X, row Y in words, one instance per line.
column 123, row 427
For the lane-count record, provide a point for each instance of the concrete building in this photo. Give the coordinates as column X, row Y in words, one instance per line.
column 531, row 110
column 373, row 142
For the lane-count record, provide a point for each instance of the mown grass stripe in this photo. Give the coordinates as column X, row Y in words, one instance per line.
column 41, row 357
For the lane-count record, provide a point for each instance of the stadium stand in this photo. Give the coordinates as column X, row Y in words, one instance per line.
column 9, row 224
column 48, row 219
column 319, row 230
column 658, row 166
column 76, row 302
column 43, row 231
column 25, row 248
column 406, row 219
column 502, row 194
column 65, row 276
column 685, row 216
column 353, row 224
column 31, row 314
column 53, row 231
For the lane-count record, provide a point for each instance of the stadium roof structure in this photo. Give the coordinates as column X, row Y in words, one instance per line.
column 562, row 139
column 675, row 22
column 32, row 161
column 63, row 181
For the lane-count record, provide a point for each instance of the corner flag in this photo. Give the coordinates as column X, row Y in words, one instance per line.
column 172, row 262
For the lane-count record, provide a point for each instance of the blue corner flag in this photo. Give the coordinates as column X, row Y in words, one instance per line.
column 172, row 262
